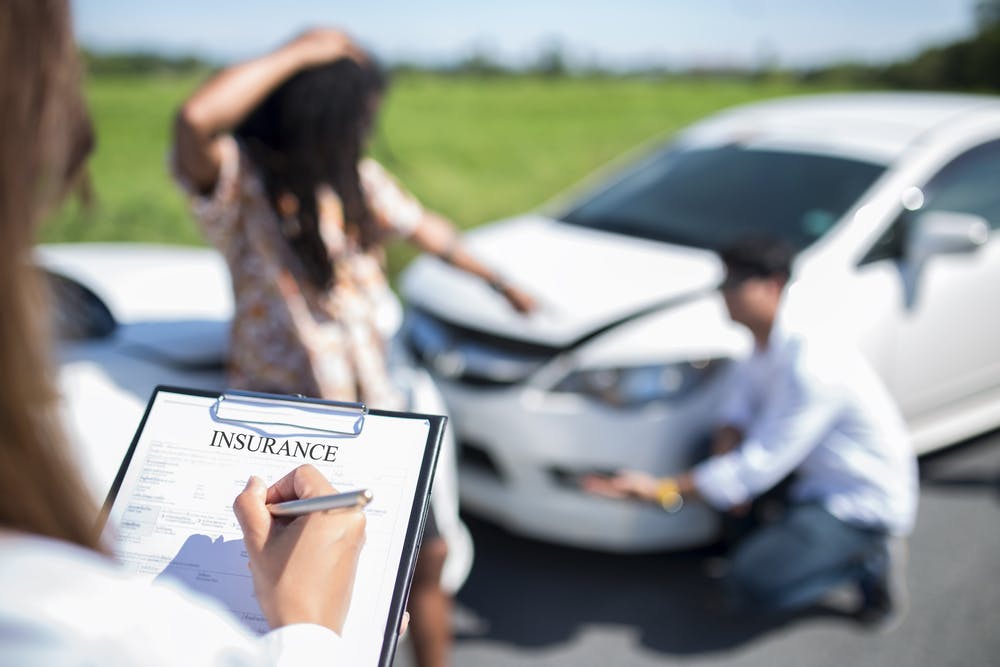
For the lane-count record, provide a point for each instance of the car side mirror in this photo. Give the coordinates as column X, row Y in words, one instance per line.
column 938, row 233
column 944, row 232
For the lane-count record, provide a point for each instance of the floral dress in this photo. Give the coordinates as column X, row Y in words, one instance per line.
column 287, row 336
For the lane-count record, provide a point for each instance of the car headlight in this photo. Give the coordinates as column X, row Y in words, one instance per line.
column 634, row 386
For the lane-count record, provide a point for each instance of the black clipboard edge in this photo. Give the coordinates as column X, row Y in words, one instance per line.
column 415, row 524
column 414, row 530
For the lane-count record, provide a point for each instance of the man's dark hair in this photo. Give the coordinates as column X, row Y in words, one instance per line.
column 758, row 258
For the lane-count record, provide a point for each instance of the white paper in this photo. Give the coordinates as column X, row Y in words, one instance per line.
column 173, row 512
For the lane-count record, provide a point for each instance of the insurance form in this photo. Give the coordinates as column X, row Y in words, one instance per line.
column 172, row 514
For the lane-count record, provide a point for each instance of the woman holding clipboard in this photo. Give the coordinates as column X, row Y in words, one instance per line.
column 65, row 602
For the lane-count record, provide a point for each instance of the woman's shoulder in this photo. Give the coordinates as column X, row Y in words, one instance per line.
column 238, row 189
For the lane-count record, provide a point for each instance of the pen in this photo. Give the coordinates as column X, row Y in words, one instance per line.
column 351, row 499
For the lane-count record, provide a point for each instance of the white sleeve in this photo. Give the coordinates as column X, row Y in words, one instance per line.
column 794, row 418
column 174, row 626
column 304, row 644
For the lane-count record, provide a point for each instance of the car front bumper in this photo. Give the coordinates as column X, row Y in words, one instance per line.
column 519, row 449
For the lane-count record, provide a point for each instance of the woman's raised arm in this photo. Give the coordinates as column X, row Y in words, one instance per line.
column 220, row 104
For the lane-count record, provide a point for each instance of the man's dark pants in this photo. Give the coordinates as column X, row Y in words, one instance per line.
column 792, row 562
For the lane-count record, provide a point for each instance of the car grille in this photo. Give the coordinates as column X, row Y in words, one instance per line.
column 469, row 356
column 473, row 456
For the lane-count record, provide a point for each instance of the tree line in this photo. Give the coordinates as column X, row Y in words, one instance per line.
column 968, row 64
column 971, row 64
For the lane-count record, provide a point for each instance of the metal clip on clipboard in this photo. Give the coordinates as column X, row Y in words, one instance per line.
column 309, row 415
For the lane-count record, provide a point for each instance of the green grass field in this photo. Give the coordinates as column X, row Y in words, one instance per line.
column 473, row 149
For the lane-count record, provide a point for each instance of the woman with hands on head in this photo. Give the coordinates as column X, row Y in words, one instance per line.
column 271, row 152
column 65, row 601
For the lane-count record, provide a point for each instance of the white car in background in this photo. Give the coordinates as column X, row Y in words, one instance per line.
column 894, row 201
column 130, row 317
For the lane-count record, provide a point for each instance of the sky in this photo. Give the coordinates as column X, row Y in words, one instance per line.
column 612, row 33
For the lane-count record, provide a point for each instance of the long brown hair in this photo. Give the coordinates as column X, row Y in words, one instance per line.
column 44, row 137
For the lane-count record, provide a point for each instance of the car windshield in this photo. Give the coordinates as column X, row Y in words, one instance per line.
column 717, row 196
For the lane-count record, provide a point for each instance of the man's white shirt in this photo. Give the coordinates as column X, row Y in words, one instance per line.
column 810, row 404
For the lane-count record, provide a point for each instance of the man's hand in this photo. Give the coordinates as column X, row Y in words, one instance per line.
column 626, row 484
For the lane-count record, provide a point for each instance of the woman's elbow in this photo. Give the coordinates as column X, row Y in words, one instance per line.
column 193, row 149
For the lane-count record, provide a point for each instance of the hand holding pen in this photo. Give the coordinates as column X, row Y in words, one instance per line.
column 303, row 570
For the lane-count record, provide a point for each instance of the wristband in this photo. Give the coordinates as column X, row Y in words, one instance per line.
column 668, row 494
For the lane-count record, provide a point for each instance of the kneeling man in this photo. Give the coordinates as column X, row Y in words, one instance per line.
column 807, row 404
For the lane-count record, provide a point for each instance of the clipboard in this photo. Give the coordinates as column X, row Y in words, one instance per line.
column 139, row 508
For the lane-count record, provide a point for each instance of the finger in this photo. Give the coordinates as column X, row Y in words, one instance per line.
column 303, row 482
column 404, row 624
column 252, row 513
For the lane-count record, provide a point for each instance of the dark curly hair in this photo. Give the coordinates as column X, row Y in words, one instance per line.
column 311, row 131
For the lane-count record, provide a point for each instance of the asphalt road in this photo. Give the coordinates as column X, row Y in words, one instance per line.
column 528, row 603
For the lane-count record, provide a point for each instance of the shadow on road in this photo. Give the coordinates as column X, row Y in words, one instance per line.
column 967, row 466
column 532, row 594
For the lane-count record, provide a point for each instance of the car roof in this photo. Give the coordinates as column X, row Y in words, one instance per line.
column 877, row 126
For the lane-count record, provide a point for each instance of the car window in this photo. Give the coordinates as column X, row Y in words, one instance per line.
column 968, row 184
column 77, row 312
column 718, row 196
